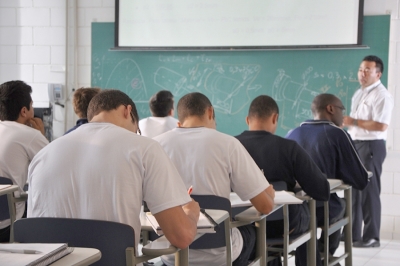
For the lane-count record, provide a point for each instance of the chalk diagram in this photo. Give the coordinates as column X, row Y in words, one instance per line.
column 295, row 98
column 227, row 85
column 125, row 76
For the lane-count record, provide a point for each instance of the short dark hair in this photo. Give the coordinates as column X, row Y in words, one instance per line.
column 262, row 107
column 81, row 100
column 321, row 101
column 14, row 95
column 192, row 104
column 377, row 60
column 108, row 100
column 161, row 103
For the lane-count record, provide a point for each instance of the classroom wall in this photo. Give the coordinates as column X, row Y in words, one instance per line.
column 39, row 45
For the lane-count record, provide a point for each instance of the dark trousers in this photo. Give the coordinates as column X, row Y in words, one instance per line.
column 249, row 235
column 367, row 202
column 299, row 224
column 334, row 238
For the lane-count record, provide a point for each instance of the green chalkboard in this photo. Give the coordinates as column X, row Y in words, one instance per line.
column 231, row 79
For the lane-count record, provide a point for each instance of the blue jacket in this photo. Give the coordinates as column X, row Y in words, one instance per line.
column 332, row 149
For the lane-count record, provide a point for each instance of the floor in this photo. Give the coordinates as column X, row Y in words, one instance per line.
column 388, row 254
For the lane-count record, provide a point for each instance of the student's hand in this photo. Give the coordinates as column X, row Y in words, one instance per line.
column 192, row 210
column 36, row 123
column 270, row 191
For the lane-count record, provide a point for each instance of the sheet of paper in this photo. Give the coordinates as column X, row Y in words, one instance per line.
column 4, row 186
column 281, row 197
column 14, row 259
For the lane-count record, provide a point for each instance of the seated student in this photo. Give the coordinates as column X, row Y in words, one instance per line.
column 81, row 102
column 283, row 160
column 332, row 149
column 22, row 136
column 162, row 119
column 105, row 170
column 213, row 163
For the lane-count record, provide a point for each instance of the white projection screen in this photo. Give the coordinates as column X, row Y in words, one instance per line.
column 237, row 24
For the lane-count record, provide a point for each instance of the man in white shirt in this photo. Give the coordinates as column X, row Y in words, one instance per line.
column 103, row 170
column 213, row 163
column 22, row 136
column 371, row 109
column 162, row 119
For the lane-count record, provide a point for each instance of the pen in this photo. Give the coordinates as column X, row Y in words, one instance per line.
column 20, row 251
column 208, row 217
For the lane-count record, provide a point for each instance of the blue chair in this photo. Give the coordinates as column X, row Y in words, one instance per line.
column 222, row 236
column 4, row 206
column 116, row 241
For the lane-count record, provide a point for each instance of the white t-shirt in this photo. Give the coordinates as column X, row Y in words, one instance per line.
column 371, row 103
column 102, row 171
column 19, row 144
column 213, row 163
column 154, row 126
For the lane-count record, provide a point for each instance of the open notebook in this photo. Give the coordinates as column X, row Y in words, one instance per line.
column 17, row 254
column 205, row 224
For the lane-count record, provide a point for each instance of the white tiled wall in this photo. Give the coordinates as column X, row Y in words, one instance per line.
column 33, row 48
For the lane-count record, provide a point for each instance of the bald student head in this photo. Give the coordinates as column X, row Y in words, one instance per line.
column 195, row 110
column 263, row 114
column 328, row 107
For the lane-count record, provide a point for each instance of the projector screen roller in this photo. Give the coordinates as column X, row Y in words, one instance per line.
column 236, row 23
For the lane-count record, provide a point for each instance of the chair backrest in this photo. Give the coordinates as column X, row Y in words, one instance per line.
column 4, row 211
column 278, row 215
column 216, row 240
column 110, row 238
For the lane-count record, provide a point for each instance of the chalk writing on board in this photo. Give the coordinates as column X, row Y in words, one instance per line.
column 295, row 97
column 131, row 82
column 227, row 85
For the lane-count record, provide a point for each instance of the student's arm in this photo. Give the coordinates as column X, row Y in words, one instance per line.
column 264, row 202
column 179, row 224
column 350, row 168
column 308, row 175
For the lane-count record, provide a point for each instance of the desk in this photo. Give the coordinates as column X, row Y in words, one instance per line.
column 163, row 246
column 79, row 257
column 281, row 197
column 9, row 191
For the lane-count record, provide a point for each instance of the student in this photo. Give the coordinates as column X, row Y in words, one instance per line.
column 371, row 111
column 283, row 160
column 332, row 149
column 22, row 136
column 80, row 103
column 213, row 163
column 162, row 109
column 105, row 170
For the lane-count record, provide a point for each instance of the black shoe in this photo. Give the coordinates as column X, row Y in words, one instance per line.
column 372, row 243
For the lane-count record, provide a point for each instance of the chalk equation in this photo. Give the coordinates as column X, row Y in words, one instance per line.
column 227, row 85
column 295, row 96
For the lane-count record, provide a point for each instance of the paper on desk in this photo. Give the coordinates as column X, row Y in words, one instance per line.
column 48, row 254
column 4, row 186
column 281, row 197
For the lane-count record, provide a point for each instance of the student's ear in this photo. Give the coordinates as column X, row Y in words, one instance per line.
column 171, row 112
column 179, row 124
column 275, row 117
column 24, row 112
column 329, row 109
column 247, row 120
column 210, row 113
